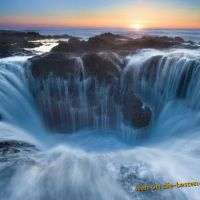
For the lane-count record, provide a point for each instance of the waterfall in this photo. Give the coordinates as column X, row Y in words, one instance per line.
column 159, row 77
column 78, row 102
column 93, row 162
column 17, row 106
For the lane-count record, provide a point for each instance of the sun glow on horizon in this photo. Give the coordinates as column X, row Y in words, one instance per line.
column 137, row 26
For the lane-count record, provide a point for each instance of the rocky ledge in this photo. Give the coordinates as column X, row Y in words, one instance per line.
column 14, row 42
column 117, row 43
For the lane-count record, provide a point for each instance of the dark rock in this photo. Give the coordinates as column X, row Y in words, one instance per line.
column 14, row 42
column 106, row 41
column 179, row 39
column 103, row 70
column 151, row 69
column 151, row 42
column 59, row 64
column 185, row 80
column 103, row 66
column 134, row 112
column 117, row 43
column 12, row 146
column 100, row 67
column 73, row 45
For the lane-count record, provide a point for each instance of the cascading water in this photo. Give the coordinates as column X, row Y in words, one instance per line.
column 164, row 76
column 77, row 102
column 17, row 106
column 76, row 168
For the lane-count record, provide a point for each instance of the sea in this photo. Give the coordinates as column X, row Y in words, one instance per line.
column 85, row 32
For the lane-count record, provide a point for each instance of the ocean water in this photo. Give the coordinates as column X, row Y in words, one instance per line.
column 187, row 34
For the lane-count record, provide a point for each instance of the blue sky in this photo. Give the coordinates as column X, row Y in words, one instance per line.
column 47, row 11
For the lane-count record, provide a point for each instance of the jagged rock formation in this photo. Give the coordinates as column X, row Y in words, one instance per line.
column 14, row 42
column 117, row 43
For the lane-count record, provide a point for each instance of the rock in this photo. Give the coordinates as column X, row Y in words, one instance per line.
column 14, row 42
column 102, row 71
column 59, row 64
column 106, row 41
column 12, row 146
column 151, row 42
column 186, row 79
column 73, row 45
column 134, row 112
column 179, row 39
column 116, row 43
column 102, row 68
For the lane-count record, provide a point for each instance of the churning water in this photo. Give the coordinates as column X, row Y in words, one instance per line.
column 102, row 163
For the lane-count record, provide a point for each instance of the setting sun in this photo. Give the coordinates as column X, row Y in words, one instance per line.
column 137, row 26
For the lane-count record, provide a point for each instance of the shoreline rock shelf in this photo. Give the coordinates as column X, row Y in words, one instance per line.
column 15, row 42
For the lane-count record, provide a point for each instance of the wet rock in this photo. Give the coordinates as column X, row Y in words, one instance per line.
column 117, row 43
column 107, row 41
column 185, row 80
column 103, row 66
column 134, row 112
column 14, row 42
column 59, row 64
column 149, row 74
column 12, row 146
column 179, row 39
column 141, row 174
column 157, row 42
column 102, row 72
column 100, row 67
column 103, row 42
column 73, row 45
column 62, row 105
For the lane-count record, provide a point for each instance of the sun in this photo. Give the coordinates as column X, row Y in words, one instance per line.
column 137, row 26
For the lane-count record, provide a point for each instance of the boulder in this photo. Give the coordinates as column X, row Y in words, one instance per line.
column 73, row 45
column 134, row 112
column 59, row 64
column 104, row 69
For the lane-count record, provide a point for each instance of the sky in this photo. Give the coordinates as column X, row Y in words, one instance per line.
column 101, row 13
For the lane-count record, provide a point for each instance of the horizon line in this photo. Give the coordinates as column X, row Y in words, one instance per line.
column 82, row 26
